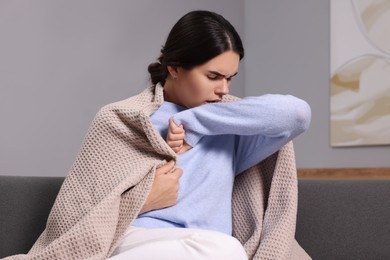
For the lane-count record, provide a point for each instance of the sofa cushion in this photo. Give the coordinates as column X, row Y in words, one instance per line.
column 344, row 219
column 337, row 219
column 25, row 203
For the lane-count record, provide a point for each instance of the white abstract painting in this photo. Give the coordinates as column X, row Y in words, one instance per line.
column 360, row 72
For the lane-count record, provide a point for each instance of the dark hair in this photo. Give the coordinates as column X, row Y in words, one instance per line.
column 195, row 39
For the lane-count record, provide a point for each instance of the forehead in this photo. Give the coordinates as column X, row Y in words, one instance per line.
column 226, row 63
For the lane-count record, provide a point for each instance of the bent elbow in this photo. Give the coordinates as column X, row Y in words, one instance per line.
column 302, row 116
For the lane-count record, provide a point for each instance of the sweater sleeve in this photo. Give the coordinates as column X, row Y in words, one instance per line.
column 262, row 124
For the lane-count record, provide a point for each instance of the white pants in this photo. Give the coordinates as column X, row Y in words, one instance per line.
column 177, row 244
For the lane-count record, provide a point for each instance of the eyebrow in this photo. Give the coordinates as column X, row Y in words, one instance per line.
column 221, row 75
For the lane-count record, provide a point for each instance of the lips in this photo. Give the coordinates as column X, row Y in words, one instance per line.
column 213, row 101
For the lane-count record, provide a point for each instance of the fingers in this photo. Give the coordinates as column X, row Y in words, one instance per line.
column 175, row 145
column 175, row 138
column 174, row 128
column 177, row 173
column 184, row 148
column 166, row 167
column 165, row 188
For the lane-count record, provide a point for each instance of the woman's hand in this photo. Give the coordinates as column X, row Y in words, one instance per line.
column 165, row 188
column 175, row 138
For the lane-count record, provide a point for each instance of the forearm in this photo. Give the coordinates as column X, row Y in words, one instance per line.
column 268, row 115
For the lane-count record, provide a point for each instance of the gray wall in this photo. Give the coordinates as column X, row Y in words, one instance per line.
column 287, row 46
column 60, row 61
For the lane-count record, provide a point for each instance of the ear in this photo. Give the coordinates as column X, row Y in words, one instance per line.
column 173, row 71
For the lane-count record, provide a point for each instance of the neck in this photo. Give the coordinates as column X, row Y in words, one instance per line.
column 169, row 93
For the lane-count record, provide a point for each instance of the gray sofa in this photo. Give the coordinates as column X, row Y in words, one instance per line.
column 337, row 219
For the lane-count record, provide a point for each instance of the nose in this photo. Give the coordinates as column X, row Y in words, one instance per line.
column 223, row 88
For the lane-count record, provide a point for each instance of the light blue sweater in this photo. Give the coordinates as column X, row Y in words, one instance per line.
column 227, row 139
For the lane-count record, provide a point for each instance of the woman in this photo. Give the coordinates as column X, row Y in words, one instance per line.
column 173, row 172
column 188, row 212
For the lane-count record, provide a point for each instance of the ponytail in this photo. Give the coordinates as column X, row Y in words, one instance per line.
column 157, row 73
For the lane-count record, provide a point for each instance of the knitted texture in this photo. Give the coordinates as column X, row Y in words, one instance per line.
column 112, row 176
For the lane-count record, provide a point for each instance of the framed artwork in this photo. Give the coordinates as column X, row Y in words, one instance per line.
column 360, row 72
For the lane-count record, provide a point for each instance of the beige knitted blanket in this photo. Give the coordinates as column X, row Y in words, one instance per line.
column 112, row 176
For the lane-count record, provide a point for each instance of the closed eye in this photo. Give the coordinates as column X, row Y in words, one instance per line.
column 217, row 76
column 214, row 77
